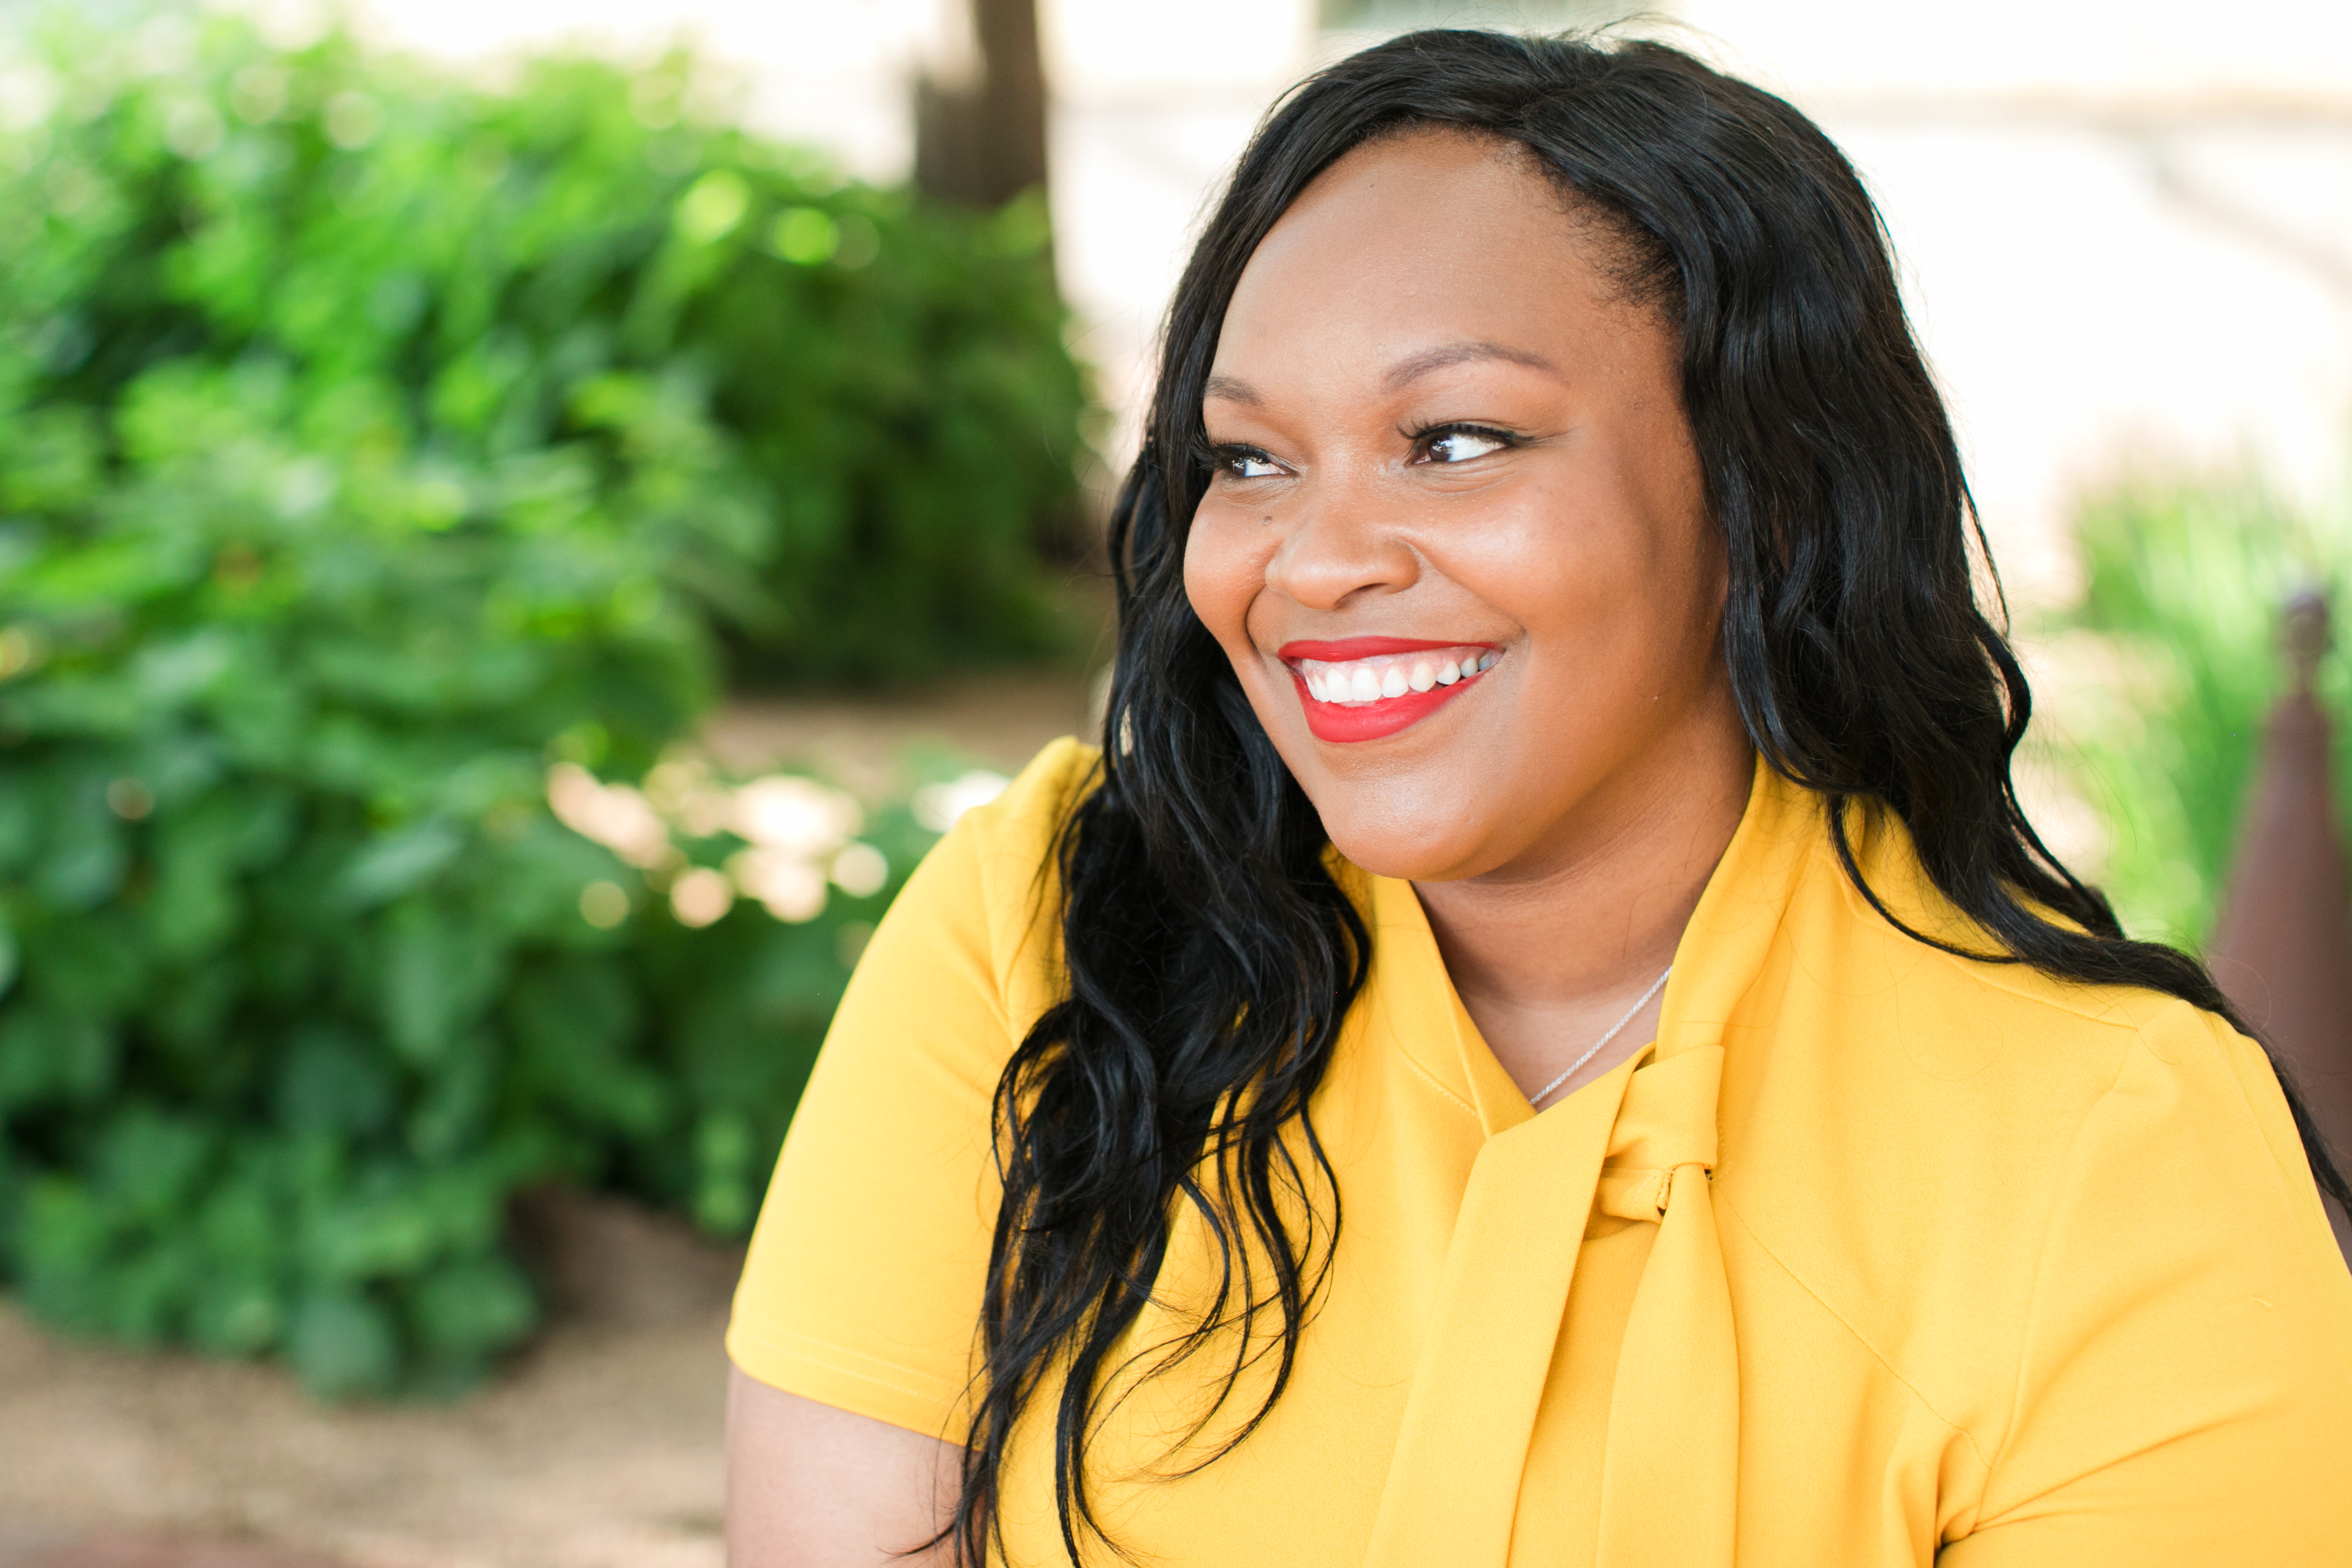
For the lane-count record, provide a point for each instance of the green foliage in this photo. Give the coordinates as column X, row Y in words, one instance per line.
column 297, row 1006
column 367, row 444
column 2186, row 584
column 844, row 415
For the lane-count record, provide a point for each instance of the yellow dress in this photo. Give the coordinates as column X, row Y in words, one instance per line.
column 1877, row 1256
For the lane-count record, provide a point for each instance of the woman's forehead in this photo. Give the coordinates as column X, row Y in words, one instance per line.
column 1419, row 249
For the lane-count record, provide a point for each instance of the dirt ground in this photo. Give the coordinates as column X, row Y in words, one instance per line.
column 999, row 720
column 598, row 1447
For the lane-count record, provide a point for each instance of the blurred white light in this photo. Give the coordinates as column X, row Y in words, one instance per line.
column 603, row 905
column 788, row 887
column 938, row 806
column 797, row 815
column 701, row 897
column 860, row 870
column 615, row 815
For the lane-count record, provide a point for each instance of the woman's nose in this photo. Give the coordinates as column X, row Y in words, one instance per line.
column 1337, row 546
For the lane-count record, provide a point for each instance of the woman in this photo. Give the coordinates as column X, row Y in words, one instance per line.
column 1546, row 1038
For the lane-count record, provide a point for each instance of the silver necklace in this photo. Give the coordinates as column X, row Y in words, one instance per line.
column 1594, row 1049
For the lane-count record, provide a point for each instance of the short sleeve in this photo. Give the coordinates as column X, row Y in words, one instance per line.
column 2185, row 1394
column 862, row 1283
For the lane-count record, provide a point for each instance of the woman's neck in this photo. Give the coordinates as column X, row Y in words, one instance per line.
column 1548, row 951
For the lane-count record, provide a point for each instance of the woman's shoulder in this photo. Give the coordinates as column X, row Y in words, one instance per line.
column 1982, row 1171
column 1893, row 954
column 865, row 1275
column 991, row 889
column 2153, row 1113
column 1984, row 1070
column 1022, row 824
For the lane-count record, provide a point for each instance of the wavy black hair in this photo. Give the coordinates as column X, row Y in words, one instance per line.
column 1211, row 956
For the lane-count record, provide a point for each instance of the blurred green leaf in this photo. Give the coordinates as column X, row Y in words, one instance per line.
column 150, row 1162
column 369, row 1238
column 234, row 1315
column 47, row 1057
column 398, row 864
column 343, row 1344
column 465, row 1310
column 66, row 1230
column 331, row 1083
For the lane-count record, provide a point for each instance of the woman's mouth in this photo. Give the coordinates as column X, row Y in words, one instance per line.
column 1365, row 688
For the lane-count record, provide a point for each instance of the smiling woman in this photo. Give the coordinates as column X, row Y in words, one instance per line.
column 1549, row 676
column 1439, row 421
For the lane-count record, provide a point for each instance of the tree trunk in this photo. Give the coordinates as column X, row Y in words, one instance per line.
column 983, row 143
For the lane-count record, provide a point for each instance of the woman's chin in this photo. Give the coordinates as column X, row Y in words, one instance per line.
column 1415, row 843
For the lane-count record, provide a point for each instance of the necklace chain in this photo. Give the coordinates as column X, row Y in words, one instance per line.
column 1594, row 1049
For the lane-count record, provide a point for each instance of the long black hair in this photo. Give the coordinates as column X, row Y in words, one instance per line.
column 1211, row 956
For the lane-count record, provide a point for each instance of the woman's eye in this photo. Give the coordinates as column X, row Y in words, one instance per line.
column 1461, row 446
column 1244, row 464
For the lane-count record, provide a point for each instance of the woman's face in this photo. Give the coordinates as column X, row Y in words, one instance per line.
column 1457, row 546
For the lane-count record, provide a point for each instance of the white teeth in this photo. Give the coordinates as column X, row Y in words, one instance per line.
column 1386, row 679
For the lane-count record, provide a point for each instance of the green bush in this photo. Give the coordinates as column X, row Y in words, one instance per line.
column 2185, row 585
column 852, row 411
column 376, row 460
column 305, row 977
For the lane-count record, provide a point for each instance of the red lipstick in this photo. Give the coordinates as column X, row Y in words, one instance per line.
column 1363, row 647
column 1381, row 717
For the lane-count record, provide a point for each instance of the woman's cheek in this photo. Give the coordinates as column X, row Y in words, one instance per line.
column 1225, row 567
column 1512, row 558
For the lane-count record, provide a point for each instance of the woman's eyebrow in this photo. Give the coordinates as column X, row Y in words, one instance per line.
column 1225, row 389
column 1413, row 366
column 1229, row 389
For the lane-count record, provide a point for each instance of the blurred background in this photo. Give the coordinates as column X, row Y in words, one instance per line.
column 520, row 522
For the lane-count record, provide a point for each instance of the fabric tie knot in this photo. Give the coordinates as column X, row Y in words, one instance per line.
column 1642, row 1148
